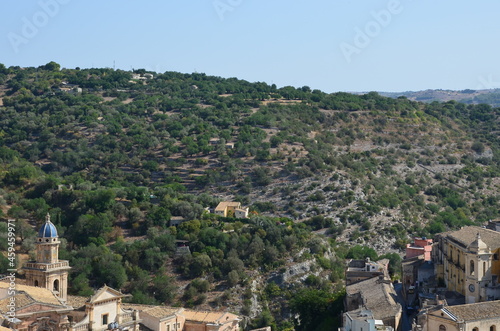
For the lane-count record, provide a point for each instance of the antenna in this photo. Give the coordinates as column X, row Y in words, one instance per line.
column 114, row 65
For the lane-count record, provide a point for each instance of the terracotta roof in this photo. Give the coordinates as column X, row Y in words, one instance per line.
column 208, row 317
column 162, row 312
column 76, row 301
column 224, row 204
column 468, row 234
column 3, row 328
column 416, row 260
column 476, row 311
column 378, row 297
column 135, row 306
column 26, row 295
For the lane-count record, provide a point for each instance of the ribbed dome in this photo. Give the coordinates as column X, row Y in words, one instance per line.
column 48, row 230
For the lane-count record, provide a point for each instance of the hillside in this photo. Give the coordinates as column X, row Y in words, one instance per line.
column 113, row 155
column 488, row 96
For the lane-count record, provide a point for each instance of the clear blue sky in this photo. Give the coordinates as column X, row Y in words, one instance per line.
column 332, row 45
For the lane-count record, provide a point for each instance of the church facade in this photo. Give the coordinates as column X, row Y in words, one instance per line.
column 467, row 260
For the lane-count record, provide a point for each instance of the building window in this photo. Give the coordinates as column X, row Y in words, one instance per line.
column 472, row 267
column 36, row 283
column 442, row 328
column 178, row 325
column 104, row 318
column 56, row 285
column 475, row 329
column 168, row 327
column 493, row 328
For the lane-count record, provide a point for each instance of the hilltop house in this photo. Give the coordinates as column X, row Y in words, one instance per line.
column 231, row 209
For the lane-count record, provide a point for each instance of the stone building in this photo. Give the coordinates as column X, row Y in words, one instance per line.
column 377, row 295
column 468, row 262
column 483, row 316
column 33, row 308
column 231, row 209
column 359, row 270
column 362, row 320
column 160, row 318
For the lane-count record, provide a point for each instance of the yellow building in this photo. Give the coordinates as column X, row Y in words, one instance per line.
column 468, row 262
column 161, row 318
column 471, row 317
column 231, row 209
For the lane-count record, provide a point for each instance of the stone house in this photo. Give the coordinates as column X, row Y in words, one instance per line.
column 163, row 318
column 362, row 320
column 210, row 321
column 231, row 209
column 377, row 295
column 359, row 270
column 159, row 318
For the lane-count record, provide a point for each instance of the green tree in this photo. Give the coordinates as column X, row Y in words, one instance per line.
column 52, row 66
column 200, row 265
column 163, row 289
column 478, row 147
column 317, row 309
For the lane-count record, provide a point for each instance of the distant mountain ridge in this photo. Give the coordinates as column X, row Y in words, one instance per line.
column 468, row 96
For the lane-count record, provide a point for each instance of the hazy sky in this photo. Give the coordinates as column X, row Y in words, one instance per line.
column 332, row 45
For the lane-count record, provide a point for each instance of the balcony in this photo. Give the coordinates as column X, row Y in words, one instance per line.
column 46, row 267
column 81, row 327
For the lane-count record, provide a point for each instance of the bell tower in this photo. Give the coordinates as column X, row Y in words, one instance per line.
column 48, row 271
column 477, row 270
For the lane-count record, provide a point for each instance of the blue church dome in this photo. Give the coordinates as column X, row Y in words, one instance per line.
column 48, row 230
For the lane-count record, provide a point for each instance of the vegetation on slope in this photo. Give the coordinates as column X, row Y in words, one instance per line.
column 113, row 155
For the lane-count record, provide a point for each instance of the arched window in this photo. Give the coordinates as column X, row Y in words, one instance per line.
column 493, row 328
column 442, row 328
column 475, row 329
column 36, row 283
column 472, row 267
column 56, row 285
